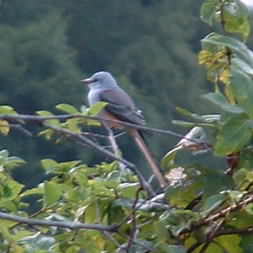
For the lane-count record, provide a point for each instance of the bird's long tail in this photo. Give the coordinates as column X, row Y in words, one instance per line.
column 148, row 155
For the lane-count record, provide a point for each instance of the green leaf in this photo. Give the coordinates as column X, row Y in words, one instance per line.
column 169, row 158
column 94, row 110
column 242, row 88
column 52, row 193
column 219, row 100
column 70, row 109
column 234, row 135
column 67, row 166
column 128, row 190
column 181, row 196
column 49, row 164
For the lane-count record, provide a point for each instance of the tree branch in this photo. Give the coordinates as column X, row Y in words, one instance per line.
column 39, row 119
column 66, row 224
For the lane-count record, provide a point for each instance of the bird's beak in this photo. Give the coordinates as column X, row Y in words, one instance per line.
column 88, row 80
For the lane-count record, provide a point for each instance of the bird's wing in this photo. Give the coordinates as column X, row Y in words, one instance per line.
column 121, row 106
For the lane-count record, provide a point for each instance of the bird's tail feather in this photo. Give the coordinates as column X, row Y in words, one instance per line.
column 139, row 140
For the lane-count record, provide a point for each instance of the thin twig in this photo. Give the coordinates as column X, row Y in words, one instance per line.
column 114, row 145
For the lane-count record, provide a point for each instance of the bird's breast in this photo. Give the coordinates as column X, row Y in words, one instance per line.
column 93, row 97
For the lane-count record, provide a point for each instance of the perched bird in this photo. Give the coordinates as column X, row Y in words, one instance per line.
column 104, row 88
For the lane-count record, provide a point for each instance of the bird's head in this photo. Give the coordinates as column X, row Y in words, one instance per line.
column 100, row 79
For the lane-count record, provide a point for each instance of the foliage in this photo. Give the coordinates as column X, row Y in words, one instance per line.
column 208, row 209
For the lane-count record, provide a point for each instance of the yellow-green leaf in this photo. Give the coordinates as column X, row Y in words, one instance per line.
column 67, row 108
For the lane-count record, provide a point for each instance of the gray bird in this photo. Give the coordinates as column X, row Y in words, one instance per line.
column 104, row 88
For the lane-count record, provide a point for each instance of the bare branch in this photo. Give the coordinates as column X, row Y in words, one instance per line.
column 66, row 224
